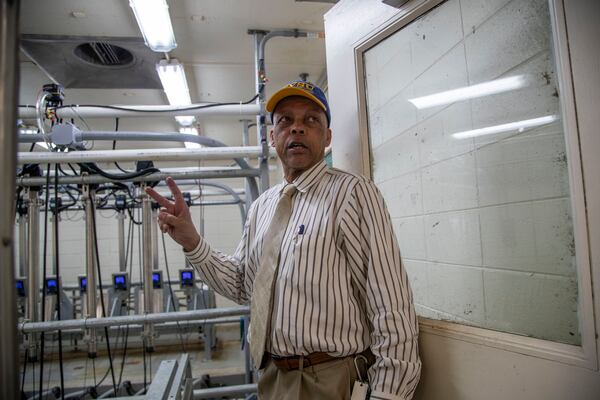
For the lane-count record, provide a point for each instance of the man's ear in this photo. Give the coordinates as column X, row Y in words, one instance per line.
column 328, row 137
column 272, row 138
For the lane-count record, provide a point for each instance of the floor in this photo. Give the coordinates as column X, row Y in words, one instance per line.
column 80, row 371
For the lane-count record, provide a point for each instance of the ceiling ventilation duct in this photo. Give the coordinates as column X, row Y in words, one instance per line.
column 94, row 62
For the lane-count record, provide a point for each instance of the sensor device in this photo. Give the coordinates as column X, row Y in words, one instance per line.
column 121, row 282
column 157, row 280
column 51, row 285
column 186, row 278
column 82, row 283
column 20, row 284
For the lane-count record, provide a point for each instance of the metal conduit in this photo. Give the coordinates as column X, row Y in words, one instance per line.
column 173, row 154
column 96, row 179
column 142, row 111
column 28, row 327
column 225, row 391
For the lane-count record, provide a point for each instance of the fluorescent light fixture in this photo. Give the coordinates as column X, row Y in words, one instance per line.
column 190, row 130
column 470, row 92
column 153, row 19
column 172, row 77
column 519, row 126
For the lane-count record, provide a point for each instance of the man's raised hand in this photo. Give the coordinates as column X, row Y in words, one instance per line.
column 174, row 217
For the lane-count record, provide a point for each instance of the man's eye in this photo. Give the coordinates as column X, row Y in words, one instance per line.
column 283, row 119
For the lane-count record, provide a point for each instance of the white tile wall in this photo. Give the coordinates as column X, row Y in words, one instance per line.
column 453, row 237
column 542, row 306
column 484, row 224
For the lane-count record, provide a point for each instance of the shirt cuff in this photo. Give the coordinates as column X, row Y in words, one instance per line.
column 200, row 253
column 375, row 395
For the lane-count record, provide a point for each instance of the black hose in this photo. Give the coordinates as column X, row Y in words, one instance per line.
column 58, row 294
column 44, row 271
column 110, row 360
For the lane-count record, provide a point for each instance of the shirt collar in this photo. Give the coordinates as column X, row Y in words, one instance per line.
column 309, row 177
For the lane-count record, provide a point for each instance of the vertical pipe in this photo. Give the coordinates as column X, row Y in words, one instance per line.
column 23, row 248
column 147, row 264
column 90, row 296
column 121, row 239
column 9, row 83
column 33, row 271
column 154, row 227
column 246, row 142
column 54, row 220
column 261, row 127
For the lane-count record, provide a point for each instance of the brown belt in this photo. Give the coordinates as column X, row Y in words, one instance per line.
column 291, row 363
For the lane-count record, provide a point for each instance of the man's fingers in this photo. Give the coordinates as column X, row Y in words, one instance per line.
column 164, row 218
column 158, row 198
column 177, row 196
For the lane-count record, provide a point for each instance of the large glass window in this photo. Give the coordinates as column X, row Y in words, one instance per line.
column 468, row 149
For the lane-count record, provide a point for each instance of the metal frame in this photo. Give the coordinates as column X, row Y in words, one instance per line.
column 9, row 93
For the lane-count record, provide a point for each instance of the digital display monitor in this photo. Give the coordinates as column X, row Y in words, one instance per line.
column 83, row 284
column 20, row 288
column 120, row 282
column 156, row 280
column 120, row 202
column 51, row 286
column 186, row 277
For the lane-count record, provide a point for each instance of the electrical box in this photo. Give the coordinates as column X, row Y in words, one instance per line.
column 120, row 202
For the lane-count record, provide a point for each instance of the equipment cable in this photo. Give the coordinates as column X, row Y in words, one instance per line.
column 110, row 360
column 58, row 293
column 44, row 271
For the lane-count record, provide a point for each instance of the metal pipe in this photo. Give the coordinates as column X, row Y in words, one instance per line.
column 78, row 137
column 90, row 296
column 220, row 392
column 9, row 93
column 23, row 248
column 154, row 228
column 173, row 154
column 33, row 271
column 85, row 111
column 246, row 142
column 121, row 239
column 212, row 313
column 97, row 179
column 147, row 265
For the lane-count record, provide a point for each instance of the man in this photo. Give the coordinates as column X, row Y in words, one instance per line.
column 320, row 265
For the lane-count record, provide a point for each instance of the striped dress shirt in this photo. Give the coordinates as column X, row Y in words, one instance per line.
column 341, row 286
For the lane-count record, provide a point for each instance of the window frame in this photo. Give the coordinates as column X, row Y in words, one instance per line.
column 585, row 355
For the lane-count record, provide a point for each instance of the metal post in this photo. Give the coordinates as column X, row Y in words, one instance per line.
column 121, row 239
column 261, row 127
column 9, row 84
column 147, row 265
column 23, row 248
column 33, row 270
column 90, row 296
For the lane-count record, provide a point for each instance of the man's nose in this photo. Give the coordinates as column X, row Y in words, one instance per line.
column 298, row 128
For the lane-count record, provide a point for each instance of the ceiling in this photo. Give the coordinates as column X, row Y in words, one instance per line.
column 213, row 45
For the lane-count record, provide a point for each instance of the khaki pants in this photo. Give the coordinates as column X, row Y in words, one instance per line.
column 332, row 380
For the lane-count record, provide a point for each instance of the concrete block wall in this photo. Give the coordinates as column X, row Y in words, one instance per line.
column 484, row 224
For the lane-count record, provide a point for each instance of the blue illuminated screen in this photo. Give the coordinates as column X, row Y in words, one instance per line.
column 83, row 283
column 20, row 285
column 119, row 279
column 51, row 283
column 156, row 278
column 186, row 276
